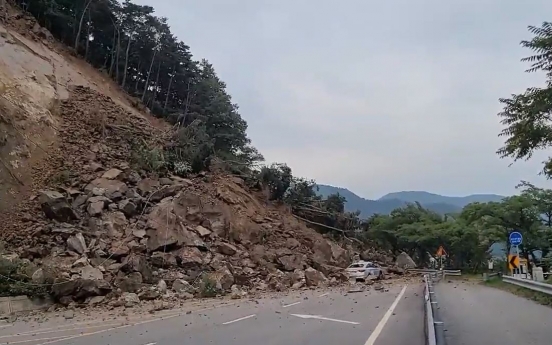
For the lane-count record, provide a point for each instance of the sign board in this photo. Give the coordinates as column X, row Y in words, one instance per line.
column 513, row 262
column 441, row 251
column 491, row 265
column 515, row 238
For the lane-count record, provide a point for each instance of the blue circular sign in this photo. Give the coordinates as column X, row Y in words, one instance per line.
column 515, row 238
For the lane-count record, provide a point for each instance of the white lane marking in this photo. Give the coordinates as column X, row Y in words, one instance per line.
column 151, row 344
column 133, row 324
column 26, row 334
column 318, row 317
column 289, row 305
column 324, row 294
column 35, row 340
column 240, row 319
column 377, row 331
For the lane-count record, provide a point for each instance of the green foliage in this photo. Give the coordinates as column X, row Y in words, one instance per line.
column 139, row 52
column 527, row 116
column 208, row 287
column 150, row 159
column 15, row 279
column 277, row 178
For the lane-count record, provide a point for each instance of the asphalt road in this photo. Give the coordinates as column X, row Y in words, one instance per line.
column 477, row 314
column 393, row 317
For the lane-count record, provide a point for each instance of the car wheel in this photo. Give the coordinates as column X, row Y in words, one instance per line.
column 380, row 276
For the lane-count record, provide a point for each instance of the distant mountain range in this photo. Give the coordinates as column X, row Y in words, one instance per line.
column 384, row 205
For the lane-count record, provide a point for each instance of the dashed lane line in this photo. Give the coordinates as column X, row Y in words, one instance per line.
column 125, row 326
column 291, row 304
column 324, row 294
column 377, row 331
column 240, row 319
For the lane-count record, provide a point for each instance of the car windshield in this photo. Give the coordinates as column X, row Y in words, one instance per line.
column 357, row 266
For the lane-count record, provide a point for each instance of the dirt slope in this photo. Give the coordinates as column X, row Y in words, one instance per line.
column 88, row 225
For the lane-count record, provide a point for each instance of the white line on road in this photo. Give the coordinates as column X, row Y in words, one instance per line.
column 151, row 344
column 289, row 305
column 324, row 294
column 130, row 325
column 240, row 319
column 318, row 317
column 377, row 331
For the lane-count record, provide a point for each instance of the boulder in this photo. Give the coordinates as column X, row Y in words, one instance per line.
column 314, row 277
column 147, row 186
column 77, row 243
column 91, row 273
column 55, row 206
column 138, row 263
column 163, row 260
column 114, row 189
column 180, row 285
column 202, row 231
column 291, row 262
column 131, row 283
column 226, row 248
column 115, row 224
column 130, row 299
column 112, row 174
column 405, row 261
column 128, row 207
column 189, row 258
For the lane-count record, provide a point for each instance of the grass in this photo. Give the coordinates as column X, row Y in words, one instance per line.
column 536, row 296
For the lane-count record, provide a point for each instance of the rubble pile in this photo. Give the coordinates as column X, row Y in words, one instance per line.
column 99, row 231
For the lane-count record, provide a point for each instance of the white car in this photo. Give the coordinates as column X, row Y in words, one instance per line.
column 362, row 270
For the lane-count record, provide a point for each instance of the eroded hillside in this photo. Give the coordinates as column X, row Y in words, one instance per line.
column 85, row 218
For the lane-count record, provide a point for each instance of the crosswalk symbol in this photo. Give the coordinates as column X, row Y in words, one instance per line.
column 441, row 251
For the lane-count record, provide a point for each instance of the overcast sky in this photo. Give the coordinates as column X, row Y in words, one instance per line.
column 374, row 96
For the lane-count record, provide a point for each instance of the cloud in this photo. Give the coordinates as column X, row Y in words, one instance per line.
column 373, row 96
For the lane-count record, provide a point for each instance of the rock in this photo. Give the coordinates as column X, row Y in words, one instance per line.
column 115, row 223
column 223, row 278
column 130, row 299
column 162, row 286
column 95, row 300
column 185, row 295
column 165, row 192
column 292, row 243
column 236, row 292
column 77, row 243
column 226, row 248
column 112, row 174
column 147, row 186
column 128, row 207
column 79, row 288
column 131, row 283
column 163, row 260
column 92, row 273
column 161, row 305
column 203, row 232
column 314, row 277
column 114, row 189
column 405, row 261
column 180, row 285
column 79, row 263
column 38, row 276
column 55, row 206
column 164, row 181
column 378, row 287
column 118, row 250
column 139, row 233
column 291, row 262
column 95, row 208
column 189, row 258
column 396, row 270
column 149, row 295
column 69, row 314
column 298, row 276
column 138, row 263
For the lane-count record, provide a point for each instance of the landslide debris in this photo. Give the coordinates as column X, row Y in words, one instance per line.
column 99, row 229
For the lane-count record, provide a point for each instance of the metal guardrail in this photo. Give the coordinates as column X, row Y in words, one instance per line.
column 429, row 270
column 529, row 284
column 434, row 326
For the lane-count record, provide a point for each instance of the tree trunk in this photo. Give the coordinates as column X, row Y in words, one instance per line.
column 169, row 91
column 148, row 76
column 126, row 62
column 112, row 65
column 137, row 77
column 156, row 83
column 117, row 54
column 77, row 39
column 87, row 36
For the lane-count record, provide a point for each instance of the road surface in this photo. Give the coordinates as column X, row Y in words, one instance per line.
column 393, row 317
column 477, row 314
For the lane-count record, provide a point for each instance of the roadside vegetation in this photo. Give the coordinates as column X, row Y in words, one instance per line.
column 139, row 52
column 533, row 295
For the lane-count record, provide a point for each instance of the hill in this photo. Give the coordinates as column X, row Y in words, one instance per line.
column 384, row 205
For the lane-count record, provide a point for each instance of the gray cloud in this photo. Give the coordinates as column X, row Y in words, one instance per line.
column 372, row 96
